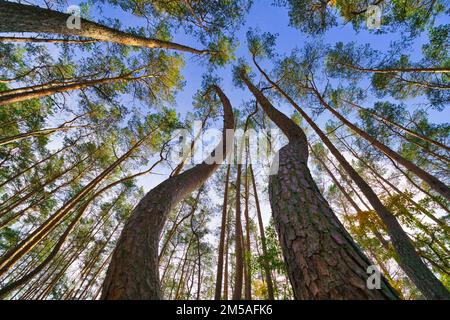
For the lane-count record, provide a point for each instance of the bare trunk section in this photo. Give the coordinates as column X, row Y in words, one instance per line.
column 247, row 251
column 133, row 272
column 47, row 91
column 267, row 273
column 219, row 276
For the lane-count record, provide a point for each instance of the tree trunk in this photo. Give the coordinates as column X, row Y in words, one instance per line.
column 47, row 91
column 247, row 251
column 267, row 273
column 396, row 70
column 323, row 261
column 387, row 121
column 219, row 276
column 227, row 246
column 133, row 272
column 16, row 17
column 239, row 269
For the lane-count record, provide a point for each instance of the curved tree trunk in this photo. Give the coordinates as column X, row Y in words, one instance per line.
column 133, row 272
column 409, row 260
column 323, row 261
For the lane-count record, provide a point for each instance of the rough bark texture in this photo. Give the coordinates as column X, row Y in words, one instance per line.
column 323, row 261
column 133, row 272
column 16, row 17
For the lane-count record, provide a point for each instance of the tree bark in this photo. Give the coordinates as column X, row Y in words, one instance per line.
column 247, row 251
column 47, row 91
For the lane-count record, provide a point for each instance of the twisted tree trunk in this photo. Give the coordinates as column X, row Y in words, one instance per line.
column 133, row 272
column 323, row 261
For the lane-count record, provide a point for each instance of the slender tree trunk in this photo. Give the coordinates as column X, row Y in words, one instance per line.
column 410, row 200
column 43, row 132
column 181, row 165
column 94, row 277
column 323, row 261
column 239, row 269
column 409, row 260
column 13, row 255
column 44, row 40
column 133, row 272
column 63, row 237
column 19, row 173
column 47, row 91
column 432, row 181
column 396, row 70
column 219, row 275
column 178, row 224
column 388, row 122
column 247, row 255
column 267, row 273
column 227, row 246
column 16, row 17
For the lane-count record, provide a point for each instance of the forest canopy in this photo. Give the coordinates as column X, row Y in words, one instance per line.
column 224, row 149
